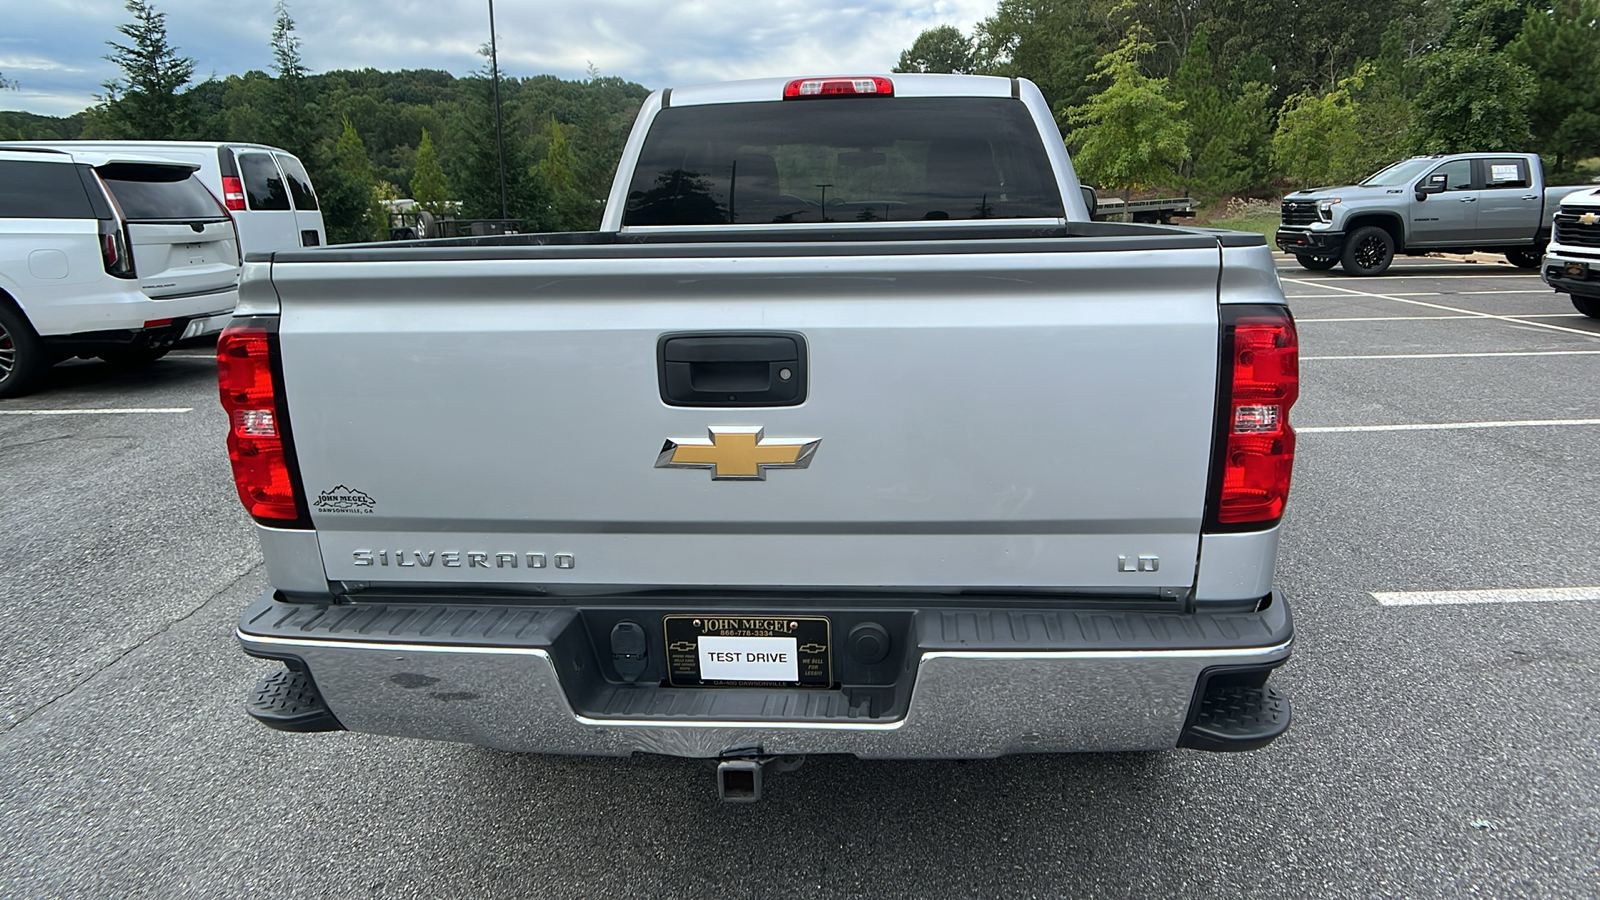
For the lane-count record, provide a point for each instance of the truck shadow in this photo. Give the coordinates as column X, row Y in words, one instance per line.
column 114, row 385
column 841, row 826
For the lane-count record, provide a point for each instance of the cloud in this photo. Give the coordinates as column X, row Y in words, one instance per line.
column 657, row 43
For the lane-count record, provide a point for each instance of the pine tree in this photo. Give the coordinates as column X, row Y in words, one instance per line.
column 146, row 102
column 427, row 178
column 291, row 115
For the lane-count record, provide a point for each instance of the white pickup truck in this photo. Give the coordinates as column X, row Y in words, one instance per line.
column 847, row 433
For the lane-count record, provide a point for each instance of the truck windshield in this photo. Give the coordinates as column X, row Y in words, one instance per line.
column 843, row 160
column 1399, row 173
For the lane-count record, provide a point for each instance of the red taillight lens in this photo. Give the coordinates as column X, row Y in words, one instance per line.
column 258, row 443
column 1255, row 444
column 114, row 249
column 232, row 192
column 808, row 88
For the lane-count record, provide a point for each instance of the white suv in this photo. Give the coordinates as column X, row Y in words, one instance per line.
column 115, row 255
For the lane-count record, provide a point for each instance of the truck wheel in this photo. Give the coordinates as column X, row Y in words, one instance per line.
column 132, row 358
column 1589, row 306
column 1368, row 251
column 1525, row 259
column 1316, row 264
column 23, row 358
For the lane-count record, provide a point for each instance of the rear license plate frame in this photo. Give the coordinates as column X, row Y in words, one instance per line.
column 812, row 637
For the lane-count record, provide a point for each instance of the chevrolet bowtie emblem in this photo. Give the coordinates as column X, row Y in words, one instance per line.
column 737, row 453
column 1589, row 218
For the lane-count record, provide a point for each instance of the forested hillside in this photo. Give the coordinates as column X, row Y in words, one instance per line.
column 1256, row 96
column 1214, row 97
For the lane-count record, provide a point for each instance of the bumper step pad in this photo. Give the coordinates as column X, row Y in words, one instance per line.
column 1237, row 717
column 289, row 701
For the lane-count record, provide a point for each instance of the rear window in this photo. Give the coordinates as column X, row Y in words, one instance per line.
column 1506, row 173
column 843, row 160
column 299, row 183
column 262, row 183
column 155, row 193
column 40, row 190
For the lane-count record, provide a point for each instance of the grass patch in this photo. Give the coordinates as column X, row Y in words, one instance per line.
column 1266, row 226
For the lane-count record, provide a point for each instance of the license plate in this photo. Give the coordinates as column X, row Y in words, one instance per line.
column 748, row 651
column 1577, row 270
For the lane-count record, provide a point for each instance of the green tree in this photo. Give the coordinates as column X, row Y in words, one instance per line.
column 1056, row 44
column 7, row 84
column 944, row 50
column 1560, row 44
column 1132, row 135
column 346, row 188
column 574, row 209
column 1472, row 98
column 291, row 113
column 475, row 169
column 427, row 180
column 1229, row 116
column 145, row 102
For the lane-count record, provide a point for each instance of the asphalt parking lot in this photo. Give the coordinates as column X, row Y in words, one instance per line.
column 1444, row 744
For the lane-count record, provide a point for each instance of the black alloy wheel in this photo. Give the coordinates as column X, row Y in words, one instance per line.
column 22, row 354
column 1369, row 251
column 1525, row 259
column 1316, row 263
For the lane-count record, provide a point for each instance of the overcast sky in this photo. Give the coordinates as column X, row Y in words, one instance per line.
column 54, row 48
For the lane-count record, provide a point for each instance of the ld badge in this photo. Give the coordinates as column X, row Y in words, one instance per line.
column 737, row 453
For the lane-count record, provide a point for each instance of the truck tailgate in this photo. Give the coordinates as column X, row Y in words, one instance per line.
column 989, row 417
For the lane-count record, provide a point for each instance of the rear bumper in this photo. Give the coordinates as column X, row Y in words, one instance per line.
column 160, row 333
column 1556, row 274
column 122, row 311
column 1304, row 241
column 959, row 683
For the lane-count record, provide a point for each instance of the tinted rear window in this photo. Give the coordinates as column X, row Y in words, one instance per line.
column 262, row 182
column 299, row 183
column 42, row 190
column 148, row 193
column 843, row 160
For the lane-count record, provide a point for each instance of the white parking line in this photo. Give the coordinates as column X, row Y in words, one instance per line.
column 1300, row 321
column 1443, row 426
column 148, row 410
column 1505, row 595
column 1456, row 355
column 1457, row 309
column 1330, row 281
column 1330, row 296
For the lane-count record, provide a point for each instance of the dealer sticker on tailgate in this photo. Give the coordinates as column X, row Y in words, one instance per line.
column 748, row 651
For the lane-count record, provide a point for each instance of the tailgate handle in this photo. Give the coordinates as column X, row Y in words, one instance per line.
column 732, row 369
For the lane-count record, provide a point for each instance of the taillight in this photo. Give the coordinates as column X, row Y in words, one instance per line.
column 808, row 88
column 1253, row 455
column 232, row 192
column 114, row 250
column 259, row 444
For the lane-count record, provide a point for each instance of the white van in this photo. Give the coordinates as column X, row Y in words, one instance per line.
column 266, row 189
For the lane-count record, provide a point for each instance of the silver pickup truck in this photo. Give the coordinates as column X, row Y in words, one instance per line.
column 1493, row 202
column 847, row 433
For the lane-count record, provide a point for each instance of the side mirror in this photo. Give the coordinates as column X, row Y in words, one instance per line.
column 1434, row 185
column 1090, row 199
